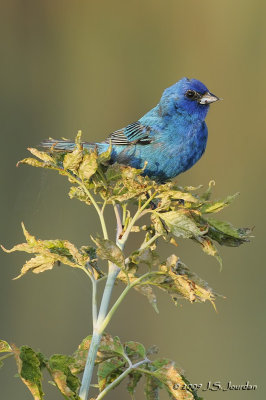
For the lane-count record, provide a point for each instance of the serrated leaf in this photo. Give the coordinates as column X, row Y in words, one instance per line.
column 88, row 166
column 48, row 252
column 5, row 347
column 66, row 381
column 37, row 265
column 180, row 224
column 176, row 279
column 29, row 370
column 108, row 250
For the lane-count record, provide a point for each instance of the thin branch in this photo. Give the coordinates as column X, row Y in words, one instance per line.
column 138, row 215
column 123, row 294
column 117, row 210
column 121, row 377
column 149, row 242
column 94, row 283
column 6, row 356
column 93, row 201
column 94, row 302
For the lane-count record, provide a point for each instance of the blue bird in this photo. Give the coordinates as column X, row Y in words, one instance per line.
column 171, row 137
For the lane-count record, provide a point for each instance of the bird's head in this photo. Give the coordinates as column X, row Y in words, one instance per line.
column 188, row 96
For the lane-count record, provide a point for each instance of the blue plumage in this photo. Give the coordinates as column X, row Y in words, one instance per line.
column 171, row 137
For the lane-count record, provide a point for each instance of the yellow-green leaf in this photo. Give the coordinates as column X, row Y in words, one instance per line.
column 28, row 364
column 5, row 347
column 108, row 250
column 88, row 166
column 73, row 159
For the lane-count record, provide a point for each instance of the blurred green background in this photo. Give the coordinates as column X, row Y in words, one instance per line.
column 97, row 66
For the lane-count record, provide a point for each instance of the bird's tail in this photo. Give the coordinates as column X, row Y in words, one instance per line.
column 63, row 145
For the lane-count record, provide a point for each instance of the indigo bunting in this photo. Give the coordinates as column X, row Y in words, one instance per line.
column 171, row 137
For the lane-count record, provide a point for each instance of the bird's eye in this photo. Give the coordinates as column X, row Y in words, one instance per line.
column 191, row 94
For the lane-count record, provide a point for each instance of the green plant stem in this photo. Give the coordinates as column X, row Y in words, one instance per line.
column 98, row 331
column 146, row 371
column 94, row 301
column 103, row 319
column 97, row 208
column 94, row 283
column 149, row 242
column 6, row 356
column 119, row 229
column 134, row 219
column 120, row 378
column 123, row 294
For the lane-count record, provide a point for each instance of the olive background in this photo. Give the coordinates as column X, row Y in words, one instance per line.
column 97, row 66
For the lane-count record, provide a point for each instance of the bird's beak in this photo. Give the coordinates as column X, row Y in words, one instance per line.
column 208, row 98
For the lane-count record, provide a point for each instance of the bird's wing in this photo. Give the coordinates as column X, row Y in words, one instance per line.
column 131, row 134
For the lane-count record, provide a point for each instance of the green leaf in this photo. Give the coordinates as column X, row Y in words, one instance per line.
column 68, row 383
column 151, row 389
column 135, row 350
column 180, row 224
column 29, row 365
column 111, row 346
column 133, row 379
column 5, row 347
column 226, row 234
column 108, row 250
column 88, row 166
column 216, row 206
column 108, row 371
column 80, row 356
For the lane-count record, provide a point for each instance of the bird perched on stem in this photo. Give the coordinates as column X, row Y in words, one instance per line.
column 170, row 138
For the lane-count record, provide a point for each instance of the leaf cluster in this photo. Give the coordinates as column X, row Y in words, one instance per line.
column 113, row 359
column 174, row 213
